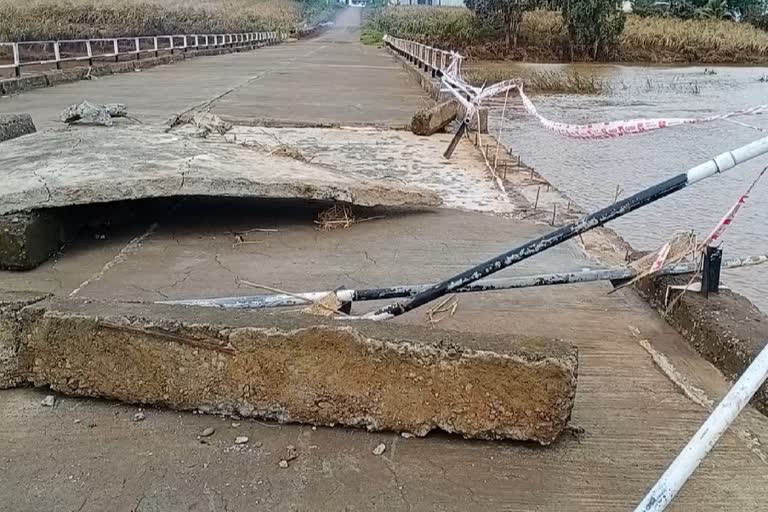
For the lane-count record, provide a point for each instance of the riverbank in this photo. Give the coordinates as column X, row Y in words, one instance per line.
column 645, row 39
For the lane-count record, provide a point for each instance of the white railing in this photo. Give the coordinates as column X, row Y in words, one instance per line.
column 58, row 52
column 433, row 60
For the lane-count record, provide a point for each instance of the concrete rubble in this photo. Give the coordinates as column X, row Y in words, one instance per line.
column 292, row 368
column 87, row 112
column 434, row 119
column 15, row 125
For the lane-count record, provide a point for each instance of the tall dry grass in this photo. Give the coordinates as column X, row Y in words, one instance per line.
column 72, row 19
column 645, row 39
column 712, row 41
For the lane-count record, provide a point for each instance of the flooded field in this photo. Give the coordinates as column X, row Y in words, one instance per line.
column 591, row 171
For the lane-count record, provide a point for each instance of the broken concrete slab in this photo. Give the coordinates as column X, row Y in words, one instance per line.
column 15, row 125
column 132, row 162
column 10, row 334
column 432, row 120
column 297, row 368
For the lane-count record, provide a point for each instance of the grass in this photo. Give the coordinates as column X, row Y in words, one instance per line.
column 555, row 82
column 371, row 36
column 72, row 19
column 645, row 39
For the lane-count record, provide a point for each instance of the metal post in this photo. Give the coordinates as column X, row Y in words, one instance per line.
column 619, row 274
column 90, row 53
column 170, row 39
column 16, row 60
column 156, row 50
column 57, row 54
column 138, row 48
column 717, row 165
column 710, row 274
column 117, row 50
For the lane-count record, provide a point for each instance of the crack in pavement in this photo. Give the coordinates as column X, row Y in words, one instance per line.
column 205, row 105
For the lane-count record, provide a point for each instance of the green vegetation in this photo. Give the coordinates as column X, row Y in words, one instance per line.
column 72, row 19
column 371, row 36
column 543, row 38
column 555, row 82
column 593, row 27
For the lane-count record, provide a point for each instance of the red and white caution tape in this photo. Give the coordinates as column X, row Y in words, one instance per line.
column 471, row 98
column 611, row 129
column 727, row 220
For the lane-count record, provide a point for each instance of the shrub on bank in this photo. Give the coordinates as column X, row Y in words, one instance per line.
column 73, row 19
column 644, row 39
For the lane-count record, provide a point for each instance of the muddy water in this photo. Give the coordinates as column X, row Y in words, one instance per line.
column 590, row 172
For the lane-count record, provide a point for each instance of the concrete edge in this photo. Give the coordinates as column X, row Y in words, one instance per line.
column 13, row 86
column 725, row 328
column 430, row 85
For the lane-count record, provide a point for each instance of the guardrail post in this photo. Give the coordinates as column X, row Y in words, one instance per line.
column 157, row 52
column 137, row 43
column 170, row 38
column 117, row 50
column 16, row 60
column 57, row 54
column 90, row 53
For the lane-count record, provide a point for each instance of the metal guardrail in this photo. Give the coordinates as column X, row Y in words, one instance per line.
column 89, row 49
column 433, row 60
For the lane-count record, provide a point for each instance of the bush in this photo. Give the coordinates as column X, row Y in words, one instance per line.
column 594, row 26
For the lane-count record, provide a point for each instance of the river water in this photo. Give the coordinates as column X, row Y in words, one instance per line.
column 590, row 171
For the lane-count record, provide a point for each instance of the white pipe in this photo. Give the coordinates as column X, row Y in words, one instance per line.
column 704, row 440
column 727, row 160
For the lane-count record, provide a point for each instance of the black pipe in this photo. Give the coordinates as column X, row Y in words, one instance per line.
column 538, row 245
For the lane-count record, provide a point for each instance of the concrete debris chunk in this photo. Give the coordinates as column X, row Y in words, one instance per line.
column 380, row 449
column 241, row 440
column 206, row 123
column 48, row 401
column 139, row 416
column 15, row 125
column 431, row 120
column 355, row 374
column 90, row 113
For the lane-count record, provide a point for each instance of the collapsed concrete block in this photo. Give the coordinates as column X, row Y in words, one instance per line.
column 15, row 125
column 432, row 120
column 28, row 239
column 11, row 303
column 297, row 368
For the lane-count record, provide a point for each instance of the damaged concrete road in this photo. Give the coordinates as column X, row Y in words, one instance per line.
column 102, row 165
column 292, row 367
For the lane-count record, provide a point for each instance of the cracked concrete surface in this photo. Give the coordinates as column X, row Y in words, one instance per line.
column 114, row 164
column 392, row 156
